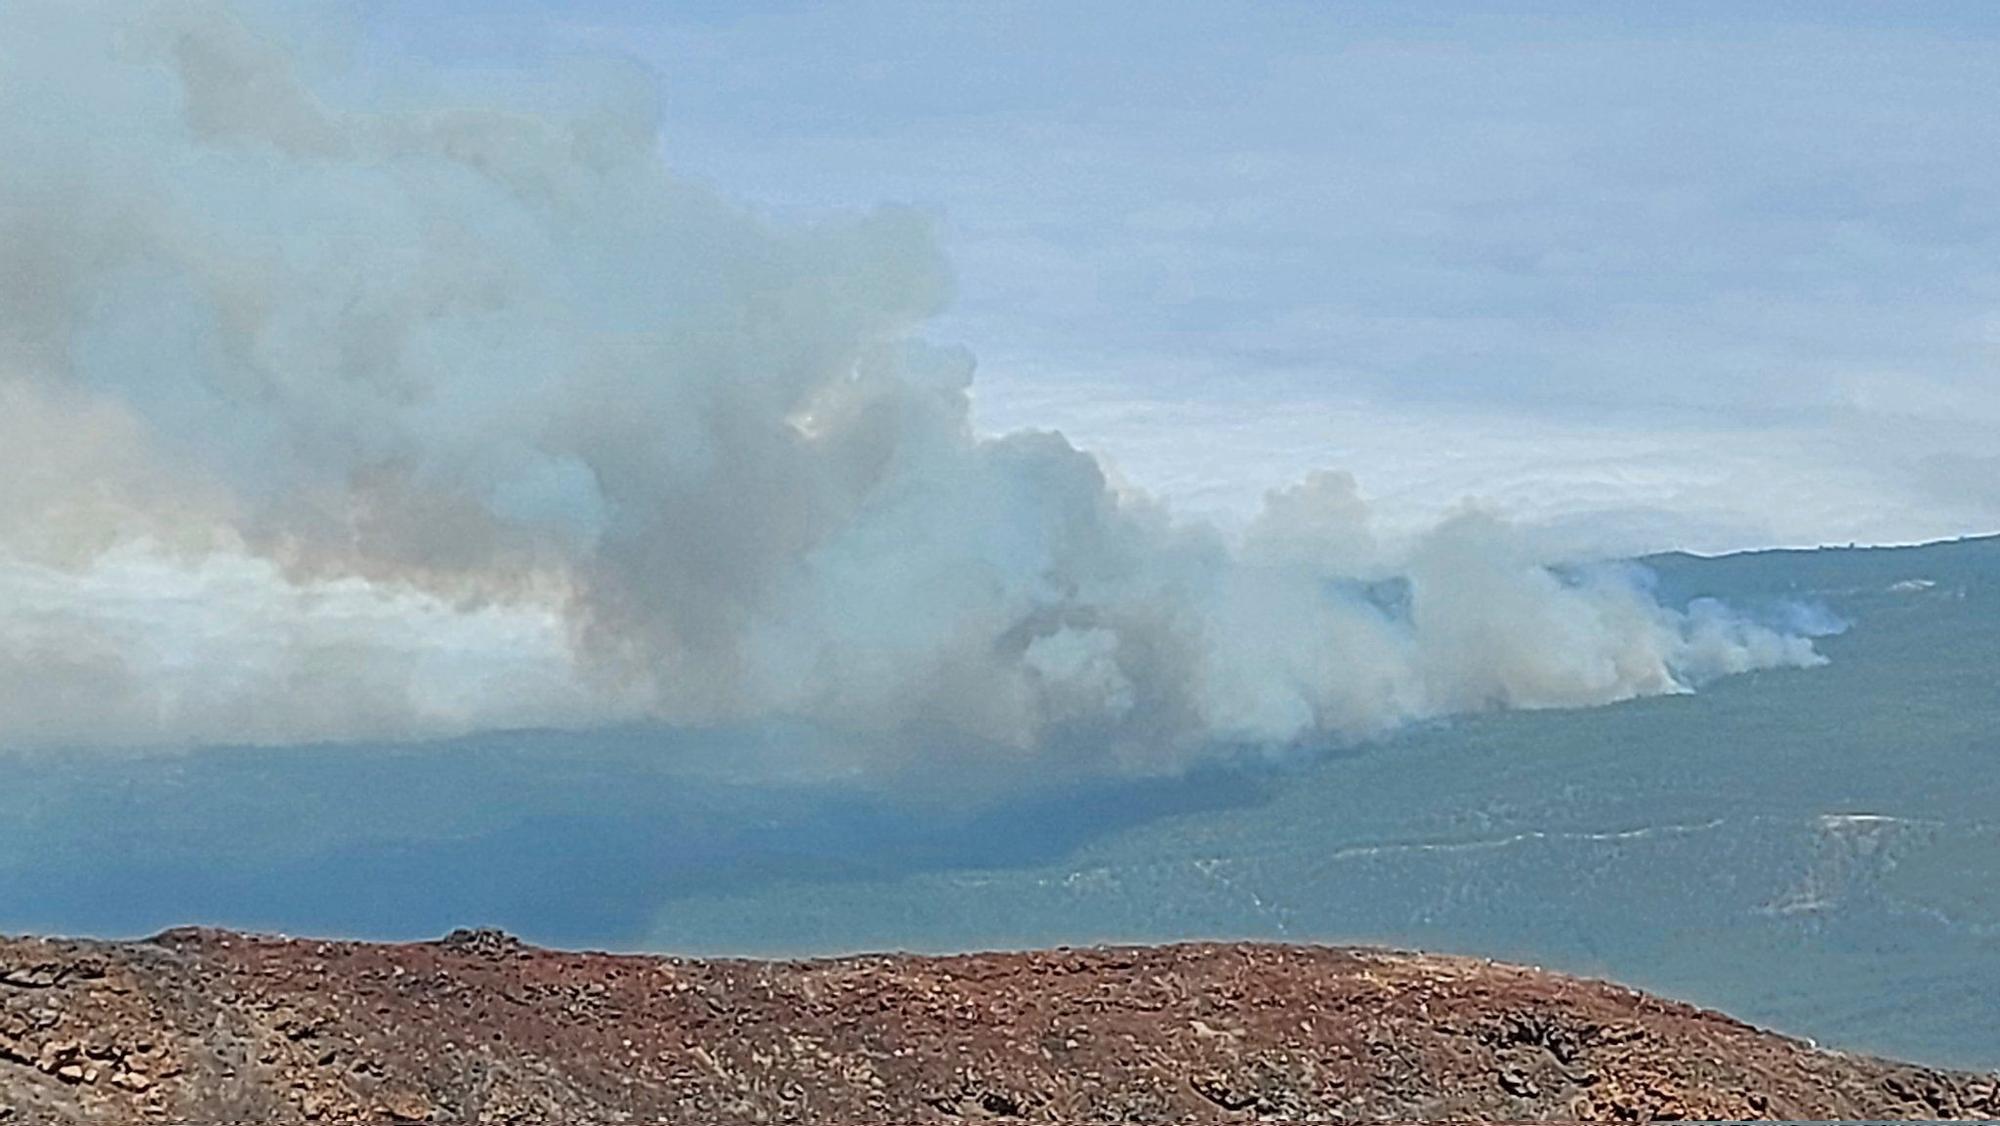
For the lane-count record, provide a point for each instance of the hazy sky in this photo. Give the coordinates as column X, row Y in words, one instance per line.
column 1694, row 277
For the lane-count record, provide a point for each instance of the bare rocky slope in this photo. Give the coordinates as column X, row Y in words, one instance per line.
column 214, row 1027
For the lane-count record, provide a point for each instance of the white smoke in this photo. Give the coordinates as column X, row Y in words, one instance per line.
column 329, row 409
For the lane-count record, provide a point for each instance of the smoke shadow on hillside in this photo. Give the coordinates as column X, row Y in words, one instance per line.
column 565, row 838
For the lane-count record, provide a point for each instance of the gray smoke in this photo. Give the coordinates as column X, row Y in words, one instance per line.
column 334, row 406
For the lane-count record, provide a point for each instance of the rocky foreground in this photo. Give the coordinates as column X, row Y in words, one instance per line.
column 213, row 1027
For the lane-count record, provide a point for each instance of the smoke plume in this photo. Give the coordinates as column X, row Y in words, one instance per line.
column 337, row 405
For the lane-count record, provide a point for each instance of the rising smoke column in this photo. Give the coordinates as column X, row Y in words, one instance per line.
column 329, row 408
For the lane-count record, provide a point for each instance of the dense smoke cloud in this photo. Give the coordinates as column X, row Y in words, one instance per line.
column 331, row 409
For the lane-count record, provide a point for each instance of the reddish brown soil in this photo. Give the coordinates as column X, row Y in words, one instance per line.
column 212, row 1027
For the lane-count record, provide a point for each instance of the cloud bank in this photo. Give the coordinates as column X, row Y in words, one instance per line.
column 335, row 405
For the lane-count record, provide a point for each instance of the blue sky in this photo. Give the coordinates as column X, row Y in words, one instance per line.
column 1692, row 276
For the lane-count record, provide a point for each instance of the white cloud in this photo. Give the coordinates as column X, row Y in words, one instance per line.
column 1733, row 238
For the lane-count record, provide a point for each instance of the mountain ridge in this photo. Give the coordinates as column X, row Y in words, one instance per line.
column 217, row 1026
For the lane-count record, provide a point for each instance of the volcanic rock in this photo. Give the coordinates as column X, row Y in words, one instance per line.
column 213, row 1027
